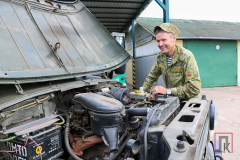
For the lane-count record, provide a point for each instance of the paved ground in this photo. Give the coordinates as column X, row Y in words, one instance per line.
column 227, row 101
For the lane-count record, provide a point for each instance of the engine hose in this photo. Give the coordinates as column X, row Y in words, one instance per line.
column 145, row 132
column 121, row 147
column 137, row 104
column 123, row 136
column 138, row 111
column 137, row 133
column 125, row 125
column 127, row 118
column 66, row 139
column 105, row 94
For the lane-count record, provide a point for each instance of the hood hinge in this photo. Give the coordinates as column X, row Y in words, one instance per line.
column 19, row 88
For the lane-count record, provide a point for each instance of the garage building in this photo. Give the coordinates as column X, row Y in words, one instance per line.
column 215, row 45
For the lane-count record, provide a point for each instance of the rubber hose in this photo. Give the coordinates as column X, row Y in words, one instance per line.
column 127, row 118
column 145, row 132
column 66, row 139
column 121, row 147
column 137, row 133
column 138, row 111
column 125, row 125
column 123, row 136
column 137, row 104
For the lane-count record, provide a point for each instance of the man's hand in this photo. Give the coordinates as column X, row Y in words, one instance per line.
column 159, row 89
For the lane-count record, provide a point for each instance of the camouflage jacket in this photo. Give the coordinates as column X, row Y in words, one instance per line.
column 182, row 75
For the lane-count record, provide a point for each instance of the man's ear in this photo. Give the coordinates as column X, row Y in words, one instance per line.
column 174, row 38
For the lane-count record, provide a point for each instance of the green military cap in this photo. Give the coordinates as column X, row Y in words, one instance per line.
column 168, row 27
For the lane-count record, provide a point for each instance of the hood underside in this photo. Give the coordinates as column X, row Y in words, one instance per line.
column 31, row 29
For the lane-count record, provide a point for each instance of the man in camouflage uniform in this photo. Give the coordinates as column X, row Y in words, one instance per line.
column 177, row 65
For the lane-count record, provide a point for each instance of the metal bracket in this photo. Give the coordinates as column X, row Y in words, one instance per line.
column 185, row 134
column 19, row 88
column 38, row 101
column 104, row 75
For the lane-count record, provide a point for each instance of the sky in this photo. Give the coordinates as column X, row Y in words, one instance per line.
column 215, row 10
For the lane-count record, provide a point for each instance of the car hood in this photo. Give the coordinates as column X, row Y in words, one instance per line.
column 32, row 30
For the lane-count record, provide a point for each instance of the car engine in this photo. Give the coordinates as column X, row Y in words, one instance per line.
column 106, row 123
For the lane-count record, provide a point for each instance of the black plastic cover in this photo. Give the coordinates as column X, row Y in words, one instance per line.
column 121, row 94
column 99, row 103
column 111, row 136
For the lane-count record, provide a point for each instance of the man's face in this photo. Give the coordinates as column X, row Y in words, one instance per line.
column 166, row 42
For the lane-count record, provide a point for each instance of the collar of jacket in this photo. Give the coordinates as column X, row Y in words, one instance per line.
column 174, row 59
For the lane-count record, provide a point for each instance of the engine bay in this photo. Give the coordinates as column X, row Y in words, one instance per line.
column 95, row 123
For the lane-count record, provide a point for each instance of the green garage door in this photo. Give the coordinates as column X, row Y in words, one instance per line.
column 217, row 61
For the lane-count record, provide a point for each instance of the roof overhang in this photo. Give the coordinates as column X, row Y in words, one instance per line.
column 116, row 15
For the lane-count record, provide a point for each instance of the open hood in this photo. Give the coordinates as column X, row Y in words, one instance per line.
column 31, row 32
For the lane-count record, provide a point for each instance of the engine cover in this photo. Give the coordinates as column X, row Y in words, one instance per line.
column 106, row 116
column 99, row 103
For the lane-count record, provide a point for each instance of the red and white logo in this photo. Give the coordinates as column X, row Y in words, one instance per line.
column 225, row 140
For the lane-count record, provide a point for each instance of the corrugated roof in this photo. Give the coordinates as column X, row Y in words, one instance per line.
column 196, row 29
column 116, row 15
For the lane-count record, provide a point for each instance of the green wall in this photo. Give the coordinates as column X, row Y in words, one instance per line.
column 217, row 67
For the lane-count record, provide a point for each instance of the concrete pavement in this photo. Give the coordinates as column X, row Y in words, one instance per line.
column 227, row 101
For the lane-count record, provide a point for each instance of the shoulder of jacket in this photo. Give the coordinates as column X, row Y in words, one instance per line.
column 184, row 53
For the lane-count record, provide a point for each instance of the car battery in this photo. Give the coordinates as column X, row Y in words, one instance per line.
column 48, row 139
